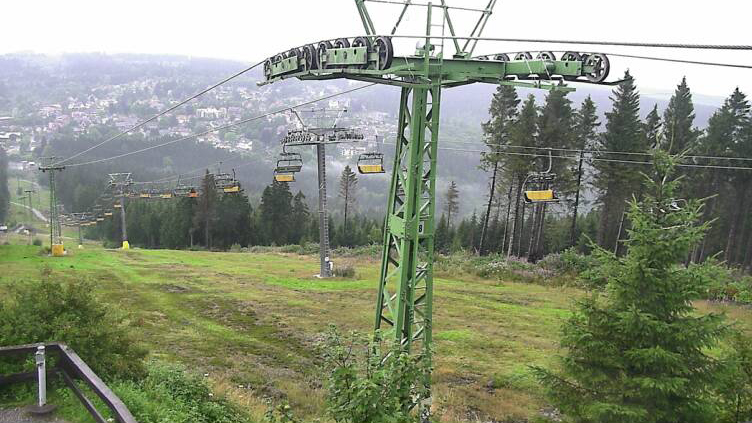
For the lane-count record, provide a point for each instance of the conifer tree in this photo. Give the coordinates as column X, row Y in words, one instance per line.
column 678, row 118
column 205, row 210
column 522, row 134
column 300, row 217
column 616, row 182
column 452, row 201
column 585, row 127
column 274, row 213
column 652, row 128
column 503, row 111
column 636, row 353
column 348, row 184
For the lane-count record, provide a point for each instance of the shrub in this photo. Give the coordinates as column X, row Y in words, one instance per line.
column 171, row 394
column 372, row 383
column 346, row 271
column 235, row 248
column 47, row 310
column 37, row 242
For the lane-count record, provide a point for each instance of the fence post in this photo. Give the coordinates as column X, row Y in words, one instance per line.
column 42, row 407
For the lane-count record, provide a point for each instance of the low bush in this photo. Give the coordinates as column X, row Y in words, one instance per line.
column 346, row 271
column 47, row 310
column 37, row 242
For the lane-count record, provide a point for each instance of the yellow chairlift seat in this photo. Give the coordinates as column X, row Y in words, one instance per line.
column 100, row 219
column 117, row 205
column 284, row 177
column 232, row 189
column 540, row 196
column 166, row 195
column 193, row 194
column 369, row 163
column 108, row 214
column 145, row 195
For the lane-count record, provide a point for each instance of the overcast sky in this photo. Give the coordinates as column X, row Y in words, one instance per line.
column 251, row 30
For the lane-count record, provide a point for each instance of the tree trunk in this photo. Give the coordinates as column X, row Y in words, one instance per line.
column 513, row 235
column 506, row 220
column 573, row 231
column 533, row 232
column 731, row 238
column 738, row 256
column 541, row 230
column 491, row 192
column 522, row 231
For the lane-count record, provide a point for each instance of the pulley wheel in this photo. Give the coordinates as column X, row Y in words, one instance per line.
column 296, row 54
column 321, row 51
column 571, row 56
column 383, row 46
column 278, row 58
column 363, row 42
column 546, row 55
column 268, row 68
column 341, row 43
column 523, row 55
column 503, row 57
column 310, row 57
column 601, row 67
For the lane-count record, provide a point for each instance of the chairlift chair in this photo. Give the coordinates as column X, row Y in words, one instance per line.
column 369, row 163
column 538, row 186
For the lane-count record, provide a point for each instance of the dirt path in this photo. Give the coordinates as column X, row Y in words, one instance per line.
column 18, row 415
column 36, row 212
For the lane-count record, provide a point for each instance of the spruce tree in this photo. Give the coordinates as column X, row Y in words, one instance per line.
column 274, row 213
column 503, row 111
column 300, row 216
column 637, row 352
column 679, row 132
column 585, row 127
column 652, row 128
column 348, row 185
column 452, row 201
column 522, row 134
column 616, row 182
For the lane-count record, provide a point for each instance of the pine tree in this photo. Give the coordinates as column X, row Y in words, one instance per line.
column 679, row 116
column 300, row 217
column 636, row 353
column 348, row 185
column 522, row 134
column 652, row 128
column 617, row 182
column 585, row 127
column 205, row 208
column 452, row 201
column 503, row 111
column 441, row 244
column 274, row 213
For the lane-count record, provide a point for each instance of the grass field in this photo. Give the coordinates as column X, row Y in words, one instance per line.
column 250, row 322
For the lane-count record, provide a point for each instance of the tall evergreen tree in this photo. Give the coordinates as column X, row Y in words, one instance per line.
column 679, row 131
column 348, row 185
column 274, row 213
column 617, row 182
column 652, row 128
column 637, row 353
column 585, row 136
column 206, row 207
column 452, row 201
column 503, row 111
column 300, row 217
column 522, row 134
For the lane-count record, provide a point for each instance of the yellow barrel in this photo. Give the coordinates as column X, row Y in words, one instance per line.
column 58, row 250
column 126, row 245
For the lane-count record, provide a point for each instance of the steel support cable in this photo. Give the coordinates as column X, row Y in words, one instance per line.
column 508, row 153
column 575, row 150
column 590, row 42
column 278, row 111
column 164, row 112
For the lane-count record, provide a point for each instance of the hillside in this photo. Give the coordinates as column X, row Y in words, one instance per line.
column 64, row 104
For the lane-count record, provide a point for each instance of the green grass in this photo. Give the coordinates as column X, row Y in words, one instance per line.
column 250, row 321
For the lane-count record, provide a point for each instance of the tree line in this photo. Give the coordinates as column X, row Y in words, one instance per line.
column 220, row 221
column 605, row 161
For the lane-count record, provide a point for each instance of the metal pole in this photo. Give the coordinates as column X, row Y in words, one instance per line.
column 42, row 376
column 122, row 221
column 325, row 271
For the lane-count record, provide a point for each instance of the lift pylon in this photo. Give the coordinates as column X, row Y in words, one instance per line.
column 56, row 231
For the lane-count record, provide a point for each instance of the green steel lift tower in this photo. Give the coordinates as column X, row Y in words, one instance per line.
column 404, row 305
